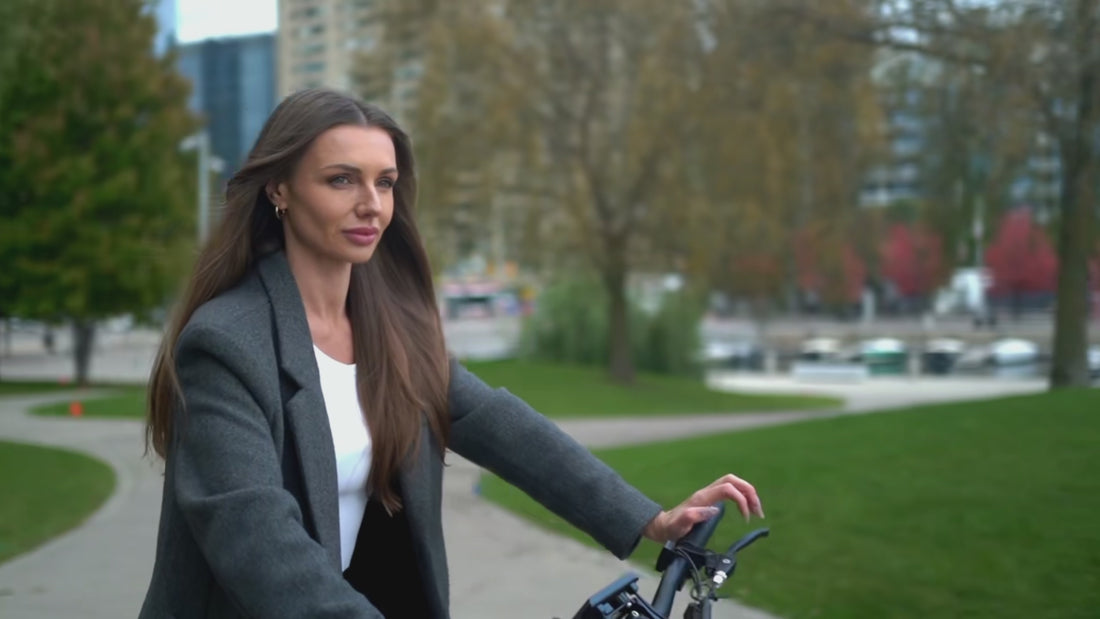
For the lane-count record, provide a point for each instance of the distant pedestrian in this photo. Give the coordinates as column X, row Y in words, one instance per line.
column 303, row 398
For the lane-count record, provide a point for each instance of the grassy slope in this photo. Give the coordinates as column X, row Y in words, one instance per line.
column 979, row 510
column 45, row 493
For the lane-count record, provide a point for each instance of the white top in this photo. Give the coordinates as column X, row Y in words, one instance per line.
column 351, row 439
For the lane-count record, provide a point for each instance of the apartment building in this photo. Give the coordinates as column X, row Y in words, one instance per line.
column 337, row 44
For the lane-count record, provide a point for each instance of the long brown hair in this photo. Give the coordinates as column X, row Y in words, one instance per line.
column 398, row 338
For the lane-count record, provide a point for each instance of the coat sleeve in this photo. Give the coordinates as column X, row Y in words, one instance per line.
column 228, row 485
column 500, row 432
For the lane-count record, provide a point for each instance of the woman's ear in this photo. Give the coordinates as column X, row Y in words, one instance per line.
column 276, row 193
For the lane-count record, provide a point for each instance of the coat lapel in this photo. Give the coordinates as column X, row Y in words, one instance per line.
column 307, row 420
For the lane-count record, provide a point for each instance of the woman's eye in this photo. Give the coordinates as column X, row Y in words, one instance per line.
column 342, row 179
column 386, row 183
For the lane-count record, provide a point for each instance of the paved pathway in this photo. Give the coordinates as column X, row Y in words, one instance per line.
column 501, row 566
column 100, row 568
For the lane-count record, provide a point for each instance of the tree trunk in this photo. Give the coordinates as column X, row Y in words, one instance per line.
column 83, row 338
column 620, row 359
column 1069, row 366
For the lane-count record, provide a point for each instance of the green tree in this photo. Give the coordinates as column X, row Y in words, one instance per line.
column 16, row 27
column 632, row 136
column 610, row 95
column 569, row 109
column 94, row 194
column 790, row 122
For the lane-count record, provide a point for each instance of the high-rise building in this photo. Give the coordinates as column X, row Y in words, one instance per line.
column 329, row 43
column 319, row 39
column 233, row 90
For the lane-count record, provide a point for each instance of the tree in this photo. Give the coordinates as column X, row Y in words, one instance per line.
column 968, row 137
column 1045, row 54
column 1021, row 259
column 579, row 103
column 95, row 194
column 789, row 122
column 912, row 259
column 16, row 28
column 829, row 271
column 633, row 136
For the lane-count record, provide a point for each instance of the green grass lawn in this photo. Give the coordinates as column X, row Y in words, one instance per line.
column 579, row 391
column 125, row 402
column 46, row 492
column 978, row 510
column 554, row 390
column 30, row 387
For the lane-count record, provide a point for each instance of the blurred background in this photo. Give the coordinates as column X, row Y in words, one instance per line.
column 646, row 218
column 642, row 184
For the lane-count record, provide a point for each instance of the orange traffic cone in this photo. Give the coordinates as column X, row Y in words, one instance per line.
column 76, row 409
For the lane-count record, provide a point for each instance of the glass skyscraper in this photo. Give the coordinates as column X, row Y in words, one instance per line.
column 233, row 90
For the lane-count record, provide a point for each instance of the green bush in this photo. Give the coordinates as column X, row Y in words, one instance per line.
column 570, row 325
column 667, row 342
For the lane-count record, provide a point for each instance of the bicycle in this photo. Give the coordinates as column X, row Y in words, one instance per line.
column 686, row 557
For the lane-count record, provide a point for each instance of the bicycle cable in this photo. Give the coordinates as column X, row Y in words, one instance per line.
column 699, row 589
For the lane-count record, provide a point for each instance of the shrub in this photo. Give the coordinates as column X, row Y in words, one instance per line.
column 570, row 325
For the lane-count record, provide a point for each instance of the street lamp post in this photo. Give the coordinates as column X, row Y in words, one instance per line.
column 207, row 163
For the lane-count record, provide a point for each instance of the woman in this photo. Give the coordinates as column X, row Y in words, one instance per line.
column 303, row 399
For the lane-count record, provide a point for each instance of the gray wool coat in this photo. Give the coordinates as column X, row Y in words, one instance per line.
column 249, row 518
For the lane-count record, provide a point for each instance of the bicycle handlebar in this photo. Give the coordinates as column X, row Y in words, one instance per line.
column 677, row 570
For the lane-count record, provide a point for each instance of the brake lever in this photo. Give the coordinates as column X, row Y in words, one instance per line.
column 727, row 562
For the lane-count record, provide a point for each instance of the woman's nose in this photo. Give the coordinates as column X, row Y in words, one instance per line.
column 368, row 201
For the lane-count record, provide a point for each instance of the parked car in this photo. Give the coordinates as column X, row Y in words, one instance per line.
column 1007, row 352
column 820, row 349
column 941, row 354
column 884, row 355
column 740, row 355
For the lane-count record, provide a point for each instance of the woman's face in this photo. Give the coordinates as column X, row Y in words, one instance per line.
column 339, row 199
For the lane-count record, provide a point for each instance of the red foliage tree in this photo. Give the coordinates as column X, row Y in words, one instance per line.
column 1021, row 257
column 912, row 258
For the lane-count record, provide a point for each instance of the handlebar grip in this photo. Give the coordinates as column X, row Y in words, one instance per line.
column 677, row 570
column 701, row 533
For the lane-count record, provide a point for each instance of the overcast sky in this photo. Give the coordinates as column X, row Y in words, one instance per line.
column 201, row 19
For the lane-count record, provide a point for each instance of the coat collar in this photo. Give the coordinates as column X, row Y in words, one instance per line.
column 292, row 337
column 303, row 402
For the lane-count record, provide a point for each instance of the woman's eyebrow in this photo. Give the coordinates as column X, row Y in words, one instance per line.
column 347, row 167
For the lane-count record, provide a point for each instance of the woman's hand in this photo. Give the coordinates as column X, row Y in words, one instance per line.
column 675, row 523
